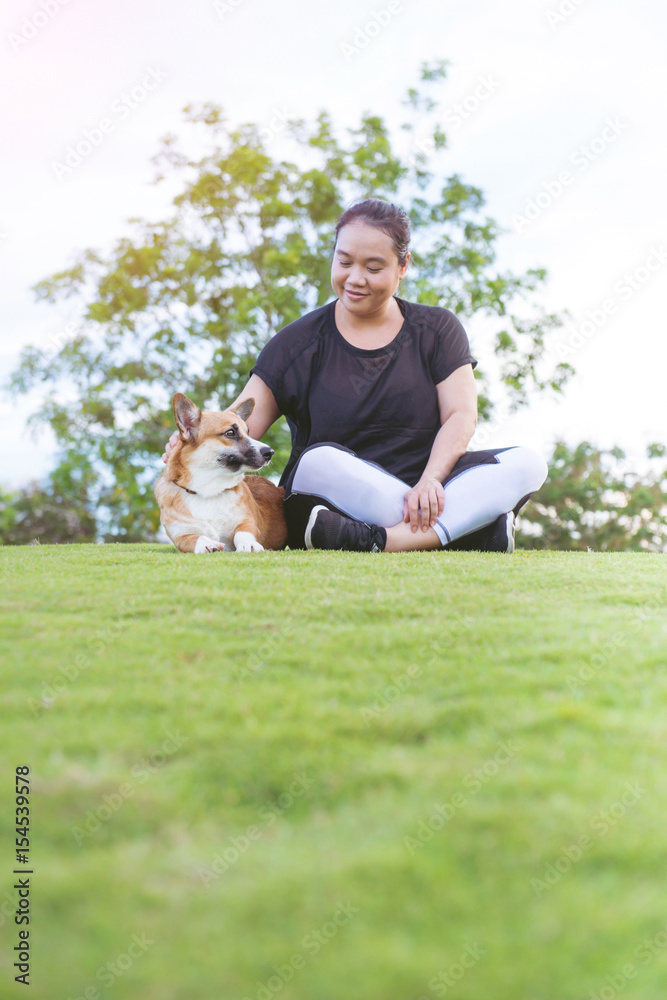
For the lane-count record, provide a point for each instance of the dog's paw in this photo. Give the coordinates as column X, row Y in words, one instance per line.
column 206, row 544
column 245, row 541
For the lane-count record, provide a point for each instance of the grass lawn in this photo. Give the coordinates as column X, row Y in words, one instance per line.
column 336, row 776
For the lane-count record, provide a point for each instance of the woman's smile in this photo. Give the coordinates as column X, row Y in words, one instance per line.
column 365, row 266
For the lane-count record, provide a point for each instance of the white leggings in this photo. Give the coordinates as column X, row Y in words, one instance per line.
column 474, row 496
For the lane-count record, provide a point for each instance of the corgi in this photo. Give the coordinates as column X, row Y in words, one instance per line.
column 207, row 502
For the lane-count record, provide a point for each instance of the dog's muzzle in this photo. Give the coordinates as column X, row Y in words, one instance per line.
column 255, row 458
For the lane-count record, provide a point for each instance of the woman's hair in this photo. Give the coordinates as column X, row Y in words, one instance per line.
column 384, row 216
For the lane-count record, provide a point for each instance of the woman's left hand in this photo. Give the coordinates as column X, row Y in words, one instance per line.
column 426, row 498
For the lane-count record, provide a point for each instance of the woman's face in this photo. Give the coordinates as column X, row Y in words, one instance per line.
column 365, row 271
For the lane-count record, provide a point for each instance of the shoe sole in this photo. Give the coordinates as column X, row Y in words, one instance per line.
column 511, row 527
column 311, row 524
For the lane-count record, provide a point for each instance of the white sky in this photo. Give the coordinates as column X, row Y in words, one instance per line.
column 555, row 87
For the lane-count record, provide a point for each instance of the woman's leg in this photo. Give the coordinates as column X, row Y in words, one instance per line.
column 482, row 486
column 332, row 476
column 485, row 484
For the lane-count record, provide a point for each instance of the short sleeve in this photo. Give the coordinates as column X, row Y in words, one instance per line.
column 270, row 367
column 286, row 362
column 451, row 348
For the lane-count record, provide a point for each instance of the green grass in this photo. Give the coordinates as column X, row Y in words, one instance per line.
column 300, row 719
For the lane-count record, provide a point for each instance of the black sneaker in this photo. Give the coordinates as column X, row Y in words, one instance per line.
column 502, row 536
column 327, row 529
column 495, row 537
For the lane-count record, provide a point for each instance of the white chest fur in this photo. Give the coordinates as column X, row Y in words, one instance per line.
column 217, row 517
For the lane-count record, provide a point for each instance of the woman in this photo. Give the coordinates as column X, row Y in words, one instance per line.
column 380, row 398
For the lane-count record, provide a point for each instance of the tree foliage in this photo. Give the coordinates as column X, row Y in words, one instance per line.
column 187, row 303
column 592, row 500
column 56, row 511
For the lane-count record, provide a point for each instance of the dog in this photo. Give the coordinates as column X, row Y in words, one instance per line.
column 207, row 502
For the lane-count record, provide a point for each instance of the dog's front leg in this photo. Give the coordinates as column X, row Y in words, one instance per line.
column 198, row 544
column 245, row 537
column 206, row 544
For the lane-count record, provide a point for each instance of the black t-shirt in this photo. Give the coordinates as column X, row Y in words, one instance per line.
column 380, row 403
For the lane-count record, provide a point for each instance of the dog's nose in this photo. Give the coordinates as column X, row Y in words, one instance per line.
column 266, row 453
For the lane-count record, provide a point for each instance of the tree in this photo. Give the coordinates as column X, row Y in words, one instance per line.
column 591, row 500
column 55, row 511
column 186, row 304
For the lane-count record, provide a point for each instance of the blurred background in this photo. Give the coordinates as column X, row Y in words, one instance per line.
column 544, row 117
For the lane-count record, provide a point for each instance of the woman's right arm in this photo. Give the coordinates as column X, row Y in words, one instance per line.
column 265, row 411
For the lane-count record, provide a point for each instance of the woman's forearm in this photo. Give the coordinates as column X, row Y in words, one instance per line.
column 265, row 411
column 450, row 443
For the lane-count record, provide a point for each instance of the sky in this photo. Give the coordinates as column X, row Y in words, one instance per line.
column 554, row 109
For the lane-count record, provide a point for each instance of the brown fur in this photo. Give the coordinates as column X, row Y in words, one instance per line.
column 269, row 517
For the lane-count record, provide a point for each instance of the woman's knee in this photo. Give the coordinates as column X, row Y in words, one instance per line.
column 315, row 456
column 528, row 466
column 324, row 469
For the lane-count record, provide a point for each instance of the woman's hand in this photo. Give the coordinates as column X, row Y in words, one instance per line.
column 426, row 498
column 169, row 445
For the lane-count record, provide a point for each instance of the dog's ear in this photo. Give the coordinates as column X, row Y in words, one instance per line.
column 188, row 418
column 244, row 409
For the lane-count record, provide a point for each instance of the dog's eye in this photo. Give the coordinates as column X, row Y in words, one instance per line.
column 231, row 433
